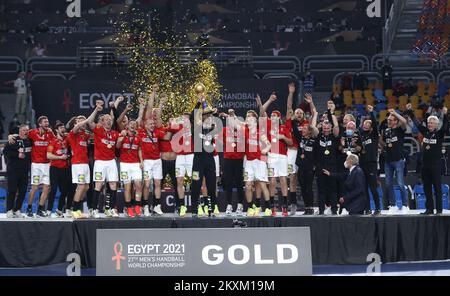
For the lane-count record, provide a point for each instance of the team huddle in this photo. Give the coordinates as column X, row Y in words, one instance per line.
column 257, row 152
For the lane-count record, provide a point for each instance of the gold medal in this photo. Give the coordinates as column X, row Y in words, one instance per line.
column 207, row 143
column 428, row 147
column 109, row 146
column 187, row 143
column 274, row 140
column 327, row 152
column 233, row 145
column 390, row 145
column 302, row 156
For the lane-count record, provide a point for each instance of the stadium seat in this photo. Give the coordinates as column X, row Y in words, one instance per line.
column 348, row 101
column 380, row 106
column 392, row 102
column 382, row 115
column 414, row 100
column 389, row 93
column 432, row 88
column 357, row 94
column 426, row 99
column 336, row 88
column 370, row 101
column 3, row 194
column 379, row 85
column 402, row 101
column 418, row 113
column 379, row 95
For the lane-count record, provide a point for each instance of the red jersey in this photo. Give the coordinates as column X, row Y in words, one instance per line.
column 165, row 145
column 182, row 142
column 278, row 146
column 129, row 151
column 104, row 143
column 252, row 145
column 233, row 141
column 79, row 144
column 150, row 143
column 58, row 147
column 40, row 144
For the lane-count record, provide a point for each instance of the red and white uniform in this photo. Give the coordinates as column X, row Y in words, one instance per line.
column 292, row 149
column 165, row 145
column 81, row 174
column 40, row 165
column 233, row 141
column 277, row 161
column 58, row 147
column 183, row 145
column 105, row 166
column 255, row 167
column 130, row 169
column 151, row 153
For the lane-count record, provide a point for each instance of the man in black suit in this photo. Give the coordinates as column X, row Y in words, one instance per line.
column 354, row 199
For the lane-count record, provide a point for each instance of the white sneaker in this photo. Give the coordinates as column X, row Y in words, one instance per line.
column 229, row 210
column 95, row 214
column 48, row 214
column 108, row 213
column 114, row 213
column 240, row 209
column 91, row 213
column 327, row 211
column 10, row 214
column 404, row 210
column 59, row 214
column 158, row 210
column 344, row 212
column 393, row 210
column 18, row 214
column 146, row 211
column 68, row 213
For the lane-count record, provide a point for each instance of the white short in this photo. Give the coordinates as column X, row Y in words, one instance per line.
column 153, row 169
column 81, row 174
column 217, row 162
column 105, row 170
column 292, row 158
column 183, row 165
column 40, row 173
column 277, row 165
column 130, row 172
column 255, row 170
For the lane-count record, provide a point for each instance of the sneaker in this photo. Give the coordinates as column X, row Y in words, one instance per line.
column 206, row 210
column 293, row 210
column 91, row 213
column 10, row 214
column 284, row 212
column 183, row 210
column 108, row 213
column 200, row 211
column 274, row 212
column 18, row 214
column 146, row 211
column 76, row 214
column 240, row 209
column 48, row 213
column 130, row 212
column 114, row 213
column 268, row 212
column 393, row 210
column 59, row 214
column 30, row 213
column 377, row 213
column 137, row 210
column 216, row 210
column 308, row 212
column 95, row 214
column 157, row 210
column 404, row 210
column 41, row 213
column 69, row 213
column 327, row 211
column 229, row 210
column 257, row 211
column 250, row 212
column 344, row 212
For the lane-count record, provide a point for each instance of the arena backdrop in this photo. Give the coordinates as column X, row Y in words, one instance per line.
column 62, row 100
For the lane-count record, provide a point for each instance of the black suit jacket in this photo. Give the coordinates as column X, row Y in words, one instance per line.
column 354, row 191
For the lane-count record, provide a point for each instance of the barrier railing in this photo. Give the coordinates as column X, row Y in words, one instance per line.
column 340, row 63
column 10, row 64
column 404, row 62
column 46, row 65
column 271, row 64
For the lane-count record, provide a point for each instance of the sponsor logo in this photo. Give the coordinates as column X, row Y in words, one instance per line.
column 98, row 176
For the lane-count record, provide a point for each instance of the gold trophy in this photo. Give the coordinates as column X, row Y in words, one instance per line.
column 199, row 88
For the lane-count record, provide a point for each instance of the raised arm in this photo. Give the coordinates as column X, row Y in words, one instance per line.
column 401, row 120
column 151, row 101
column 158, row 114
column 90, row 120
column 416, row 122
column 290, row 100
column 141, row 110
column 263, row 109
column 120, row 124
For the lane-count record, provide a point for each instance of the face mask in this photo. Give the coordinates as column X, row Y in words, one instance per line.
column 349, row 133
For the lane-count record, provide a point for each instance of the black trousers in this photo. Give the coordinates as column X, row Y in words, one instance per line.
column 17, row 185
column 431, row 177
column 305, row 179
column 233, row 173
column 371, row 173
column 59, row 178
column 168, row 167
column 327, row 191
column 203, row 166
